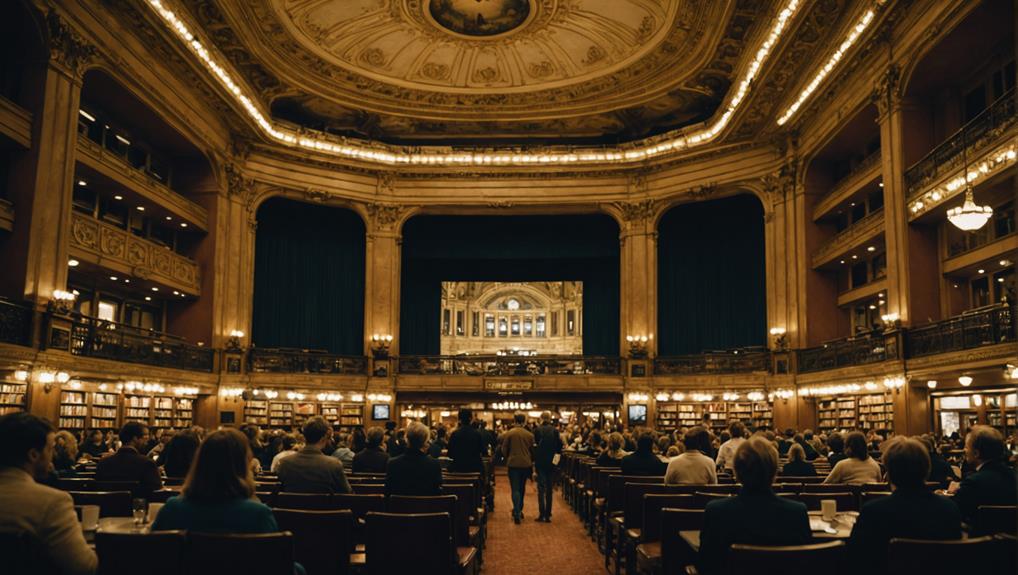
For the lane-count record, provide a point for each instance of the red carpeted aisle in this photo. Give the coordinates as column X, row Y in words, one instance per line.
column 561, row 547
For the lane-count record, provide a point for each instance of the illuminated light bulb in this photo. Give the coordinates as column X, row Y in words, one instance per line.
column 72, row 263
column 965, row 381
column 932, row 384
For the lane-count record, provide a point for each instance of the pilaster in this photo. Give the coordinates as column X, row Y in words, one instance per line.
column 638, row 273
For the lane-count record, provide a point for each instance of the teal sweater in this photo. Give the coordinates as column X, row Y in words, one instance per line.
column 230, row 516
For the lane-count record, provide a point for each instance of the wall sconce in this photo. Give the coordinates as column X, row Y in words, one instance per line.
column 977, row 400
column 932, row 384
column 380, row 346
column 894, row 383
column 1011, row 371
column 233, row 343
column 61, row 302
column 661, row 396
column 891, row 321
column 782, row 394
column 638, row 345
column 379, row 397
column 638, row 397
column 965, row 381
column 780, row 337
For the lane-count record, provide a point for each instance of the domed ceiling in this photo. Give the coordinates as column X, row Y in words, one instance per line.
column 448, row 71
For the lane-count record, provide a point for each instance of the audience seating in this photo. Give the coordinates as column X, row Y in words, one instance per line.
column 429, row 549
column 648, row 551
column 156, row 553
column 983, row 555
column 111, row 503
column 305, row 501
column 215, row 554
column 780, row 560
column 369, row 488
column 265, row 497
column 867, row 496
column 675, row 553
column 322, row 540
column 23, row 554
column 992, row 519
column 162, row 495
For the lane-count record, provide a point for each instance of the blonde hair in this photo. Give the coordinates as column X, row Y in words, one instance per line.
column 67, row 443
column 796, row 452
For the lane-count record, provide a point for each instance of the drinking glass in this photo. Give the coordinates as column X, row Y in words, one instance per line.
column 140, row 508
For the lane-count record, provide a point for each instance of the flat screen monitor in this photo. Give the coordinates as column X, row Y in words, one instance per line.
column 380, row 412
column 637, row 415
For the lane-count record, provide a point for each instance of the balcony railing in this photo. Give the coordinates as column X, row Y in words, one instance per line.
column 849, row 179
column 735, row 361
column 846, row 239
column 860, row 350
column 981, row 131
column 15, row 323
column 284, row 360
column 92, row 337
column 977, row 328
column 508, row 365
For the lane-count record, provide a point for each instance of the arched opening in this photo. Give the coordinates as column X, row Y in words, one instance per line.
column 711, row 276
column 566, row 248
column 309, row 278
column 23, row 55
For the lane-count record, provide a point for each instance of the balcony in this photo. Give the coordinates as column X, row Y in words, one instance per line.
column 15, row 323
column 282, row 360
column 495, row 365
column 15, row 123
column 861, row 174
column 981, row 327
column 97, row 338
column 714, row 362
column 115, row 248
column 6, row 215
column 849, row 352
column 984, row 132
column 850, row 238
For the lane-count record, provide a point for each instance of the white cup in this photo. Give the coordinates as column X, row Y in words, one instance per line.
column 153, row 510
column 89, row 517
column 828, row 509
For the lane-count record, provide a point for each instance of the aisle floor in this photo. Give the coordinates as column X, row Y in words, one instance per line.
column 561, row 547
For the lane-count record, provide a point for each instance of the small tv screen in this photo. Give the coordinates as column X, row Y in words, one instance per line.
column 637, row 415
column 380, row 412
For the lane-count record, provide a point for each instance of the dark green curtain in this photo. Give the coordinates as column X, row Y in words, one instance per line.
column 509, row 249
column 309, row 278
column 711, row 276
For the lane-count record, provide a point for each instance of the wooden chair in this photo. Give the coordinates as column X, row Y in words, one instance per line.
column 266, row 497
column 780, row 560
column 75, row 483
column 976, row 555
column 845, row 501
column 827, row 488
column 111, row 503
column 675, row 553
column 132, row 486
column 467, row 511
column 217, row 553
column 708, row 496
column 162, row 495
column 432, row 504
column 322, row 540
column 632, row 518
column 787, row 487
column 648, row 551
column 23, row 553
column 430, row 550
column 614, row 507
column 867, row 496
column 992, row 519
column 160, row 552
column 874, row 487
column 369, row 488
column 307, row 501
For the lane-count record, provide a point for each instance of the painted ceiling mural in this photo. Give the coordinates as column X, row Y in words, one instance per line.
column 480, row 17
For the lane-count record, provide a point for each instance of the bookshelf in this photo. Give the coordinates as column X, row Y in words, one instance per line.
column 351, row 415
column 73, row 410
column 868, row 411
column 183, row 412
column 256, row 411
column 763, row 414
column 104, row 411
column 137, row 408
column 676, row 414
column 162, row 412
column 280, row 414
column 12, row 397
column 331, row 412
column 876, row 411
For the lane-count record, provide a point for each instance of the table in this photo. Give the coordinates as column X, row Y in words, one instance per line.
column 842, row 524
column 117, row 525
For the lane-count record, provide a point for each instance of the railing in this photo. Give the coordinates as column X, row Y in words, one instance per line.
column 735, row 361
column 867, row 227
column 284, row 360
column 508, row 365
column 92, row 337
column 15, row 323
column 989, row 325
column 980, row 131
column 860, row 350
column 867, row 163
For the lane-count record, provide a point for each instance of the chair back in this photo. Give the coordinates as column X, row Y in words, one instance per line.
column 360, row 504
column 319, row 501
column 633, row 506
column 218, row 553
column 75, row 483
column 875, row 487
column 24, row 554
column 787, row 487
column 976, row 555
column 158, row 553
column 266, row 497
column 992, row 519
column 369, row 488
column 615, row 498
column 675, row 554
column 432, row 504
column 706, row 497
column 111, row 503
column 828, row 488
column 430, row 549
column 132, row 486
column 867, row 496
column 466, row 506
column 845, row 501
column 322, row 540
column 653, row 503
column 779, row 560
column 812, row 479
column 163, row 495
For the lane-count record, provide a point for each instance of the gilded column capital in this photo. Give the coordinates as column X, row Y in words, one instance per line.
column 67, row 48
column 887, row 91
column 636, row 211
column 780, row 183
column 385, row 217
column 237, row 185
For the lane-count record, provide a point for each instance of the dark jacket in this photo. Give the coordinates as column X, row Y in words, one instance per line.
column 643, row 463
column 466, row 446
column 129, row 465
column 178, row 454
column 436, row 447
column 834, row 458
column 606, row 460
column 908, row 513
column 992, row 484
column 370, row 460
column 752, row 517
column 941, row 471
column 413, row 473
column 395, row 446
column 549, row 442
column 799, row 469
column 311, row 471
column 783, row 446
column 811, row 453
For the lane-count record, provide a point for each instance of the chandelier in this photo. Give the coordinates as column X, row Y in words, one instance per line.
column 968, row 217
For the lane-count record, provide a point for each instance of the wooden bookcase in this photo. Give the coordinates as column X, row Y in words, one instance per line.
column 162, row 412
column 867, row 411
column 675, row 414
column 103, row 414
column 256, row 411
column 73, row 410
column 13, row 397
column 183, row 412
column 137, row 408
column 280, row 413
column 876, row 411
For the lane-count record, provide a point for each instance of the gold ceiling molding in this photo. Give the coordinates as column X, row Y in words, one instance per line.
column 388, row 155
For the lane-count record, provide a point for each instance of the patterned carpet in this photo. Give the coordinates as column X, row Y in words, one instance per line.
column 561, row 547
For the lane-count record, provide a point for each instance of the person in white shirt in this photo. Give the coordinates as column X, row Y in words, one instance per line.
column 693, row 467
column 858, row 468
column 726, row 453
column 288, row 446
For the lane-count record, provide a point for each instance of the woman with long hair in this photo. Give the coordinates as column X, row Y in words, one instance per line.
column 858, row 467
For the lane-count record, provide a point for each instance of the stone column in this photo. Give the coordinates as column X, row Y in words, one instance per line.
column 638, row 273
column 234, row 227
column 382, row 273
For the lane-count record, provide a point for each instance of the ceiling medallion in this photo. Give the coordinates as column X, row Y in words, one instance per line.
column 480, row 18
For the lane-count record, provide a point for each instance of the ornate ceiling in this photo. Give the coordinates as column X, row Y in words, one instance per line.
column 447, row 71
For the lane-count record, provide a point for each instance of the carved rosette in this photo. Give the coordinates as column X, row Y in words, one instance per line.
column 85, row 233
column 67, row 48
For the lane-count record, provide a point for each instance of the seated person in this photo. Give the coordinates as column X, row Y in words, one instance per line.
column 286, row 446
column 643, row 461
column 128, row 463
column 993, row 482
column 737, row 432
column 911, row 511
column 343, row 452
column 858, row 467
column 414, row 472
column 941, row 471
column 612, row 456
column 178, row 454
column 65, row 458
column 93, row 447
column 219, row 493
column 310, row 470
column 797, row 465
column 756, row 516
column 372, row 459
column 837, row 445
column 46, row 514
column 693, row 467
column 439, row 444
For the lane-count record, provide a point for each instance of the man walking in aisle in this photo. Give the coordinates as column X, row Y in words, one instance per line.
column 549, row 444
column 518, row 450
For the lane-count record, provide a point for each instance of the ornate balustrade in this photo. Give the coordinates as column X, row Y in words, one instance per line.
column 283, row 360
column 735, row 361
column 850, row 238
column 92, row 337
column 977, row 328
column 15, row 323
column 852, row 351
column 851, row 179
column 508, row 365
